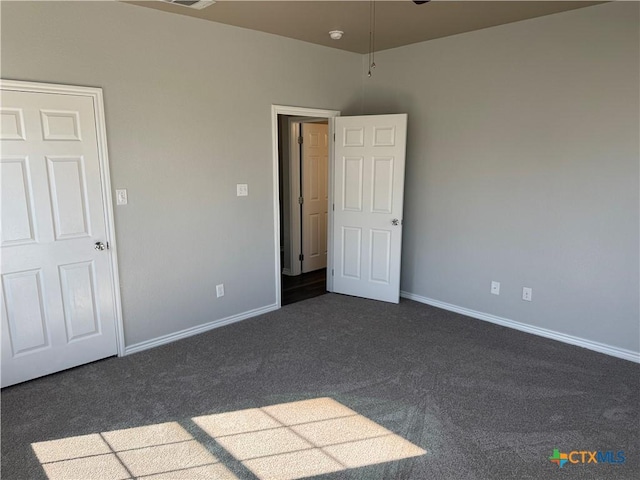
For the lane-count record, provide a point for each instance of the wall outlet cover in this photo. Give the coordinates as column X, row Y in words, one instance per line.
column 121, row 196
column 242, row 189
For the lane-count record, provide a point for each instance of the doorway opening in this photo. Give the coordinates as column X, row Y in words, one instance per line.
column 304, row 206
column 302, row 160
column 366, row 193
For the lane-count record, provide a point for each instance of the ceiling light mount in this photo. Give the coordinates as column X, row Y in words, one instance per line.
column 196, row 4
column 336, row 34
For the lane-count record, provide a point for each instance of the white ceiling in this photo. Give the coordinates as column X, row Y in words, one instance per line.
column 398, row 22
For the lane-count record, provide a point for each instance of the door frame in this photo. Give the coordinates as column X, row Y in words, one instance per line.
column 295, row 192
column 299, row 112
column 95, row 93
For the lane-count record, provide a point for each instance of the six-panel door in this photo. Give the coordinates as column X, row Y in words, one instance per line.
column 369, row 189
column 58, row 304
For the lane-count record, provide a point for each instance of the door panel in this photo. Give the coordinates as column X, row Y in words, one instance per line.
column 68, row 189
column 79, row 300
column 59, row 308
column 11, row 124
column 382, row 188
column 315, row 194
column 351, row 252
column 25, row 311
column 380, row 256
column 60, row 125
column 369, row 180
column 352, row 183
column 18, row 220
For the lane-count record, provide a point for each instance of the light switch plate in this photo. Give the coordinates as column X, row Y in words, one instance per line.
column 121, row 196
column 242, row 189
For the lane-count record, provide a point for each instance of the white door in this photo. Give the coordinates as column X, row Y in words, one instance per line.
column 368, row 196
column 315, row 195
column 58, row 301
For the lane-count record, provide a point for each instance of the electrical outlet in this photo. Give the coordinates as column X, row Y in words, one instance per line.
column 495, row 288
column 220, row 290
column 527, row 292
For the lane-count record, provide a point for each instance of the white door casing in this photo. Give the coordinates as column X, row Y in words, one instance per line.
column 276, row 110
column 60, row 297
column 368, row 198
column 315, row 195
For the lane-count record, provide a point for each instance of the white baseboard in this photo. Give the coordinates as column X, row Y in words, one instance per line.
column 286, row 271
column 523, row 327
column 188, row 332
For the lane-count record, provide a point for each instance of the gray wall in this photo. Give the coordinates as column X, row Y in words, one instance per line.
column 522, row 161
column 188, row 107
column 522, row 167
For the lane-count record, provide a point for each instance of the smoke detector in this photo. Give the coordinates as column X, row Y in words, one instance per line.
column 197, row 4
column 336, row 34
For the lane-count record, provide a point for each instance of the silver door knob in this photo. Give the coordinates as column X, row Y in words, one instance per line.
column 100, row 246
column 395, row 221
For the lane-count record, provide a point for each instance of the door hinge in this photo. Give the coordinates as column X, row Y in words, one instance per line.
column 301, row 257
column 334, row 137
column 333, row 207
column 300, row 200
column 108, row 246
column 300, row 140
column 332, row 272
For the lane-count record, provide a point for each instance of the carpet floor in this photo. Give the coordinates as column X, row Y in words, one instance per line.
column 334, row 387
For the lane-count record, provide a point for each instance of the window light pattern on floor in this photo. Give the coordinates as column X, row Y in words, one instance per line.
column 163, row 451
column 301, row 439
column 280, row 442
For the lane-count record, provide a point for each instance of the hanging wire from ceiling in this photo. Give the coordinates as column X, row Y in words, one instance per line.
column 372, row 36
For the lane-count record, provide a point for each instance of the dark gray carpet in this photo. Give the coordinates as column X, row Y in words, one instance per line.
column 484, row 401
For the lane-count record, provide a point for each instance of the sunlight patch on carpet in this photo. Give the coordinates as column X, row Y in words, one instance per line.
column 287, row 441
column 159, row 451
column 294, row 440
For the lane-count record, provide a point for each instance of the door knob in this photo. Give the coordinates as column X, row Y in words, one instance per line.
column 100, row 246
column 395, row 221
